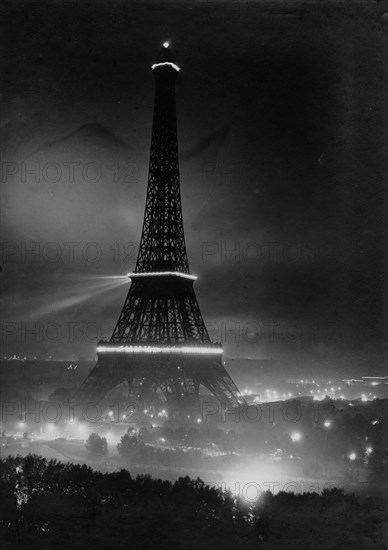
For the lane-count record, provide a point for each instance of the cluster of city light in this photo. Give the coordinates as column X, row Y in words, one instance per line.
column 368, row 397
column 352, row 456
column 318, row 392
column 181, row 350
column 327, row 388
column 163, row 274
column 247, row 391
column 273, row 394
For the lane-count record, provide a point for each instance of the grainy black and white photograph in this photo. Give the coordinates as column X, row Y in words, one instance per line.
column 193, row 275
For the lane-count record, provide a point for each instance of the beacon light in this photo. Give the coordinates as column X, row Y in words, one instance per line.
column 163, row 274
column 191, row 350
column 155, row 65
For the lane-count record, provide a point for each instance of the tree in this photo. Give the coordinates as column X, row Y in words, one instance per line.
column 144, row 435
column 96, row 445
column 129, row 445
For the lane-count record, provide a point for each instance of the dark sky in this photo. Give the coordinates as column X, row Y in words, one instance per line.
column 280, row 121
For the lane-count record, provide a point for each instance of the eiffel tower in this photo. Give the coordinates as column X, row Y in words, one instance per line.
column 160, row 342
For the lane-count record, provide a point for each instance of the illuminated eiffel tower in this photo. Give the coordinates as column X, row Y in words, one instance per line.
column 160, row 342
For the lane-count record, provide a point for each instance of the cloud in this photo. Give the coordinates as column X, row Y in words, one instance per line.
column 93, row 135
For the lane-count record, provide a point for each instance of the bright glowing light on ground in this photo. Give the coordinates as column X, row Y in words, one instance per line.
column 327, row 423
column 82, row 430
column 166, row 44
column 368, row 450
column 199, row 420
column 352, row 456
column 296, row 436
column 111, row 439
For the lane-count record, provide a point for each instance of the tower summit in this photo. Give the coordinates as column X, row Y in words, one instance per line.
column 160, row 345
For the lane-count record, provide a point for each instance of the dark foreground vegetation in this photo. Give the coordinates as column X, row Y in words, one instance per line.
column 52, row 506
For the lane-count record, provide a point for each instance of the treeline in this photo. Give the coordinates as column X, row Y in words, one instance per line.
column 51, row 505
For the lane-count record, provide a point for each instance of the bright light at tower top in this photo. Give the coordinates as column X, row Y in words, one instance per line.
column 165, row 57
column 165, row 63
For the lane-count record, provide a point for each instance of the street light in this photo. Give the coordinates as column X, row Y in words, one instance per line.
column 296, row 436
column 327, row 424
column 352, row 456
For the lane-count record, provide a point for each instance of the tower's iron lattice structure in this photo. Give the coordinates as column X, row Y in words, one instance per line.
column 160, row 341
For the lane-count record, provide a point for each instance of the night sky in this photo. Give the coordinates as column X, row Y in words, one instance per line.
column 280, row 111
